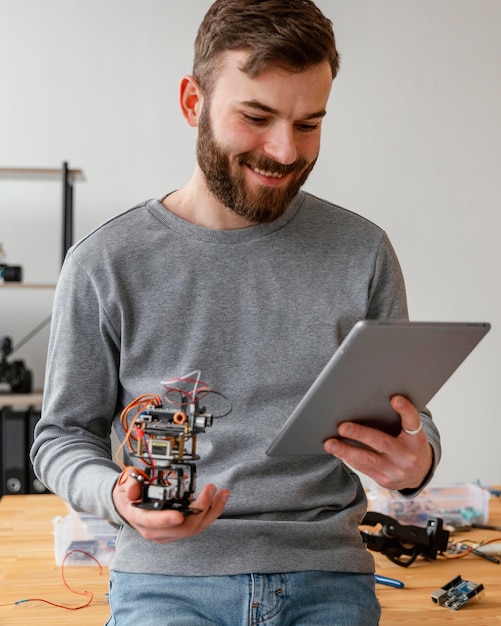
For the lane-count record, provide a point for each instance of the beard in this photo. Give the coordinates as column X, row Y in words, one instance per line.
column 228, row 184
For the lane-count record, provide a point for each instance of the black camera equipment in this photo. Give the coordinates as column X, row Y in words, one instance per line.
column 14, row 375
column 11, row 273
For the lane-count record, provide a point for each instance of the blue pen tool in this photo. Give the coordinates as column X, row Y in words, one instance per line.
column 391, row 582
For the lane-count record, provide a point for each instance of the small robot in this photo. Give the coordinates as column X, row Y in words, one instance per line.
column 166, row 441
column 163, row 435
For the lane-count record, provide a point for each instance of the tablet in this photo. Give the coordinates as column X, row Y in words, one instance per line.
column 377, row 359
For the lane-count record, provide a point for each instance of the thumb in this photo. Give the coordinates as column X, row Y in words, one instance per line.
column 130, row 483
column 411, row 420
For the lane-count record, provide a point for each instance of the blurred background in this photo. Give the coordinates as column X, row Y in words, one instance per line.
column 412, row 141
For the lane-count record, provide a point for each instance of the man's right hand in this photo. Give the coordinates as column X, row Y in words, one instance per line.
column 165, row 526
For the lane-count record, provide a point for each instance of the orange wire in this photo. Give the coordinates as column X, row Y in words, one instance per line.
column 141, row 403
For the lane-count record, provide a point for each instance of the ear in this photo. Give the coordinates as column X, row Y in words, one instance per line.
column 190, row 99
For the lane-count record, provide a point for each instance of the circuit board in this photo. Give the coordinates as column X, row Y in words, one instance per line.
column 456, row 593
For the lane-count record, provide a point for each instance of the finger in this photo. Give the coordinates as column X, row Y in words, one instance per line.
column 210, row 504
column 170, row 517
column 208, row 497
column 363, row 460
column 411, row 421
column 163, row 525
column 152, row 523
column 132, row 485
column 372, row 438
column 127, row 488
column 214, row 510
column 207, row 507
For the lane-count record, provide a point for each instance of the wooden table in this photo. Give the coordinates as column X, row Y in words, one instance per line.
column 412, row 605
column 28, row 570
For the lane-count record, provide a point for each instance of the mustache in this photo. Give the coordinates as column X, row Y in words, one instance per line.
column 269, row 165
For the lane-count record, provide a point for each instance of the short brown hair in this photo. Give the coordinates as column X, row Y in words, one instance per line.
column 293, row 34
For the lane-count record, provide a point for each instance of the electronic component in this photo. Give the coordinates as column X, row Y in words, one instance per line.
column 477, row 552
column 395, row 540
column 489, row 549
column 456, row 593
column 83, row 549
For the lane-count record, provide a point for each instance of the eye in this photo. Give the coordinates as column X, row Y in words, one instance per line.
column 253, row 119
column 306, row 128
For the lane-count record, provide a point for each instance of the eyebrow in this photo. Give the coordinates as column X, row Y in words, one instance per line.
column 255, row 104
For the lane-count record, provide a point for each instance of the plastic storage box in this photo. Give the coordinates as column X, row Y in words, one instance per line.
column 82, row 535
column 458, row 505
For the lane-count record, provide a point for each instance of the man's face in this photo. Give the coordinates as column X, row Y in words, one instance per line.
column 258, row 138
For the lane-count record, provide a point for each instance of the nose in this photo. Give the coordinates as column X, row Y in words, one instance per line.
column 280, row 144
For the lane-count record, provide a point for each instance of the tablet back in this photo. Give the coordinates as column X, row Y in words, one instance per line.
column 377, row 359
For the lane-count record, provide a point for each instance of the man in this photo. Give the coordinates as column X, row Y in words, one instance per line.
column 244, row 277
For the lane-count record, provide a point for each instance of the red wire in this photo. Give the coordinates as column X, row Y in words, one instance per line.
column 80, row 593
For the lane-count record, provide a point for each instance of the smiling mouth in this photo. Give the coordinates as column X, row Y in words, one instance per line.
column 266, row 173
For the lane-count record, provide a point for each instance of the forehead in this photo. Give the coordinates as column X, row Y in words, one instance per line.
column 294, row 93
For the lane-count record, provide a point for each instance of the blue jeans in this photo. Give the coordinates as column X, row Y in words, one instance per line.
column 308, row 598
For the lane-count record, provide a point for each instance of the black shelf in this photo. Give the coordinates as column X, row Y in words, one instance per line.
column 67, row 177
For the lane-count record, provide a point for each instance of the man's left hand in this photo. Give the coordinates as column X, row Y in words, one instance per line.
column 393, row 462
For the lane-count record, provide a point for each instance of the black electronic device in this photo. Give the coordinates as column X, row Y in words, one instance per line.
column 17, row 428
column 11, row 273
column 33, row 484
column 14, row 376
column 402, row 544
column 13, row 474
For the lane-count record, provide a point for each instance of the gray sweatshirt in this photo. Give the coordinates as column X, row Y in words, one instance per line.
column 148, row 297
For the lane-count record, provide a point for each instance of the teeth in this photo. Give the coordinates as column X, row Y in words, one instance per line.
column 268, row 174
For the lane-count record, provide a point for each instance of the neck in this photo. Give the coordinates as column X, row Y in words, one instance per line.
column 195, row 203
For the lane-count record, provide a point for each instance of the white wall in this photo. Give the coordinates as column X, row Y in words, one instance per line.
column 412, row 141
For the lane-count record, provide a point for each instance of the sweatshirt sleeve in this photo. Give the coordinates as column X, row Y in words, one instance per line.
column 388, row 298
column 387, row 294
column 72, row 446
